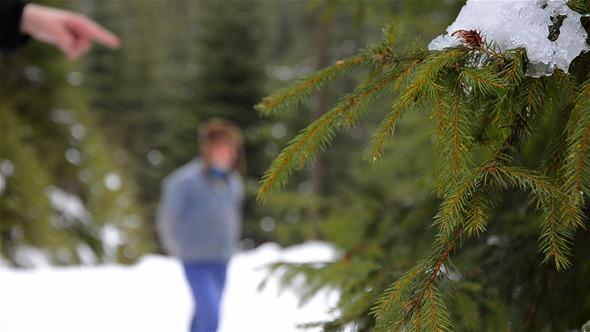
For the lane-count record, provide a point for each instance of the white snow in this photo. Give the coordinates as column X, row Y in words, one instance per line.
column 70, row 205
column 512, row 24
column 152, row 295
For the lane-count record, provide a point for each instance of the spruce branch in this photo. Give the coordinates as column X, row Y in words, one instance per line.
column 461, row 137
column 469, row 311
column 556, row 238
column 402, row 306
column 300, row 91
column 581, row 6
column 425, row 85
column 391, row 302
column 463, row 211
column 488, row 87
column 475, row 222
column 380, row 55
column 318, row 135
column 514, row 67
column 438, row 113
column 559, row 217
column 456, row 143
column 517, row 133
column 385, row 129
column 454, row 204
column 556, row 151
column 475, row 94
column 516, row 125
column 488, row 83
column 578, row 163
column 566, row 83
column 530, row 97
column 468, row 303
column 565, row 104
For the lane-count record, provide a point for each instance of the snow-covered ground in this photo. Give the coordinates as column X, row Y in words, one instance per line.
column 152, row 295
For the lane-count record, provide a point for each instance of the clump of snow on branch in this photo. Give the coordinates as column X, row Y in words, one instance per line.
column 516, row 24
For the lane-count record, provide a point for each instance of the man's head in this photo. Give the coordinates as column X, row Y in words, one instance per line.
column 221, row 145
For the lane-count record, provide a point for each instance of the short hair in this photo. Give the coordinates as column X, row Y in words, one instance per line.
column 218, row 130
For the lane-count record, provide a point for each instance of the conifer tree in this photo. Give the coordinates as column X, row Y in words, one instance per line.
column 133, row 91
column 490, row 121
column 228, row 50
column 61, row 192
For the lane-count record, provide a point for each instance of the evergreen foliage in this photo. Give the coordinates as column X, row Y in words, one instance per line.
column 486, row 115
column 182, row 63
column 61, row 193
column 140, row 105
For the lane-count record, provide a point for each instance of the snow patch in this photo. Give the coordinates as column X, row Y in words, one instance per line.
column 6, row 170
column 68, row 204
column 513, row 24
column 153, row 295
column 29, row 256
column 112, row 238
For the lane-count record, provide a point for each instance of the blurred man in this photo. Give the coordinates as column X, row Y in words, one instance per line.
column 199, row 218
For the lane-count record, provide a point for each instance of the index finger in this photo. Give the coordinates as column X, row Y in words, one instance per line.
column 86, row 28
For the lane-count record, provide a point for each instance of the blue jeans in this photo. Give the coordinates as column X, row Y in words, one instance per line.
column 207, row 281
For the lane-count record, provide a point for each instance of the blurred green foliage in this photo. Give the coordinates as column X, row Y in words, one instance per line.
column 133, row 113
column 63, row 200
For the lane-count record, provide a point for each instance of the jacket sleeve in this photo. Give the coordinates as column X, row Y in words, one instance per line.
column 10, row 17
column 167, row 218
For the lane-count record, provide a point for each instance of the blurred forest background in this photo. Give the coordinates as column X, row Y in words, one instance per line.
column 85, row 144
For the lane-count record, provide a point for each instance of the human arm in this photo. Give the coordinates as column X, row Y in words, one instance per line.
column 167, row 219
column 72, row 33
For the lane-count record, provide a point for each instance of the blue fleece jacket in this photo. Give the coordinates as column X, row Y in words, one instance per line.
column 199, row 218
